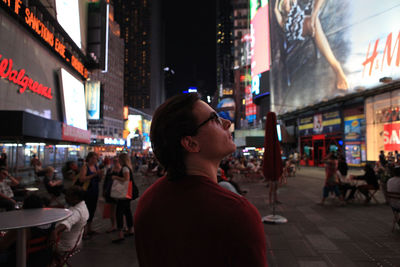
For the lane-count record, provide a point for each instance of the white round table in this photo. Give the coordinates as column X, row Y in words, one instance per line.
column 21, row 220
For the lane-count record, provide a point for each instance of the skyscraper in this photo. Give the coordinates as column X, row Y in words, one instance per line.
column 111, row 123
column 225, row 58
column 143, row 55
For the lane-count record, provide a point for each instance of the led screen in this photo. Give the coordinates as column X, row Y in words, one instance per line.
column 134, row 124
column 92, row 96
column 74, row 100
column 349, row 47
column 68, row 17
column 226, row 108
column 259, row 29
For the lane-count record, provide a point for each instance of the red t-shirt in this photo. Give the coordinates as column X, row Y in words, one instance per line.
column 195, row 222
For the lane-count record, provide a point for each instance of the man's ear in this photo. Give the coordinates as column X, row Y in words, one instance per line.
column 190, row 144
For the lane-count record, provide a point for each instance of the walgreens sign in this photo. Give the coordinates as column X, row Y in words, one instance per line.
column 20, row 78
column 391, row 136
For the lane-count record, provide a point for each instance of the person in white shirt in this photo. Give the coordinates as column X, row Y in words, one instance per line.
column 393, row 186
column 70, row 230
column 6, row 194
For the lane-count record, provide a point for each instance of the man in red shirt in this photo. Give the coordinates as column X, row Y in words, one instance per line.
column 186, row 218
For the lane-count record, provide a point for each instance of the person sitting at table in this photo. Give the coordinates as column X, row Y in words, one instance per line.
column 69, row 231
column 53, row 185
column 70, row 171
column 39, row 251
column 393, row 186
column 7, row 200
column 372, row 183
column 344, row 181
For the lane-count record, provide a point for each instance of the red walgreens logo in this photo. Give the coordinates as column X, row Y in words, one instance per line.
column 19, row 78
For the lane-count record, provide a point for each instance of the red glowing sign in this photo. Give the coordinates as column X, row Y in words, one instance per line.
column 70, row 133
column 43, row 32
column 19, row 78
column 391, row 136
column 126, row 112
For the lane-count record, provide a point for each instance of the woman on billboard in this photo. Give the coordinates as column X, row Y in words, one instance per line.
column 298, row 22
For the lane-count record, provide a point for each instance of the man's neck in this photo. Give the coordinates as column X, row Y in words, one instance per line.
column 197, row 166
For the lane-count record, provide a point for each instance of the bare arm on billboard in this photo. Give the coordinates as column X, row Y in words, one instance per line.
column 278, row 14
column 314, row 15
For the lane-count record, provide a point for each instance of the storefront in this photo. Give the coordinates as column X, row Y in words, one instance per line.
column 41, row 89
column 354, row 136
column 383, row 124
column 320, row 134
column 107, row 146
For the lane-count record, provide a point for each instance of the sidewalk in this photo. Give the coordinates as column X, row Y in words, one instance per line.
column 354, row 235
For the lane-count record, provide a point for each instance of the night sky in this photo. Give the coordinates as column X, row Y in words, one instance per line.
column 190, row 45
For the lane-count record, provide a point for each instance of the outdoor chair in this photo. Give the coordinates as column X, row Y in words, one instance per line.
column 39, row 251
column 394, row 197
column 371, row 192
column 61, row 260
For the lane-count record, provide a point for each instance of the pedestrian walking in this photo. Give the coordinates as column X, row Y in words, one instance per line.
column 331, row 179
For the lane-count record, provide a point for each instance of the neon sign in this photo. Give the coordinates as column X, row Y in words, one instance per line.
column 19, row 78
column 45, row 34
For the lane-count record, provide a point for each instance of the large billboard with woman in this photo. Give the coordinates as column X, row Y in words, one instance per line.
column 323, row 49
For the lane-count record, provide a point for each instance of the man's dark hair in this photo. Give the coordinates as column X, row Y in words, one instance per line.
column 173, row 120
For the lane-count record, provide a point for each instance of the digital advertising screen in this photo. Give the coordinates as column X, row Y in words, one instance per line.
column 134, row 124
column 68, row 17
column 226, row 108
column 92, row 97
column 347, row 48
column 73, row 92
column 259, row 31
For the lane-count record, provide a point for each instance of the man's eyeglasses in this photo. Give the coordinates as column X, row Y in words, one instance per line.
column 213, row 116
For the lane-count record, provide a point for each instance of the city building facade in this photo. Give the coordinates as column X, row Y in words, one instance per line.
column 107, row 128
column 143, row 69
column 45, row 64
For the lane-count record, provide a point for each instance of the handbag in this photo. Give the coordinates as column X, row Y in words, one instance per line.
column 121, row 190
column 126, row 189
column 83, row 185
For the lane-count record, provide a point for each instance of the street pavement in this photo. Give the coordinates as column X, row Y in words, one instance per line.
column 329, row 235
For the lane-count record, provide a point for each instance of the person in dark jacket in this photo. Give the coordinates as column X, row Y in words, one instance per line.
column 372, row 183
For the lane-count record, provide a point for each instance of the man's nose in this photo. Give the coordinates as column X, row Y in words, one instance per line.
column 227, row 123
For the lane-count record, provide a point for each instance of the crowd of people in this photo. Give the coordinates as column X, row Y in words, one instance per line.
column 79, row 191
column 382, row 175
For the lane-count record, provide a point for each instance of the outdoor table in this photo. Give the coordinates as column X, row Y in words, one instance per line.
column 21, row 220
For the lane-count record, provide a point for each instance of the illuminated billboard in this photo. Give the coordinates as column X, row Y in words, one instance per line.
column 348, row 47
column 259, row 31
column 226, row 108
column 134, row 124
column 73, row 93
column 92, row 97
column 68, row 17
